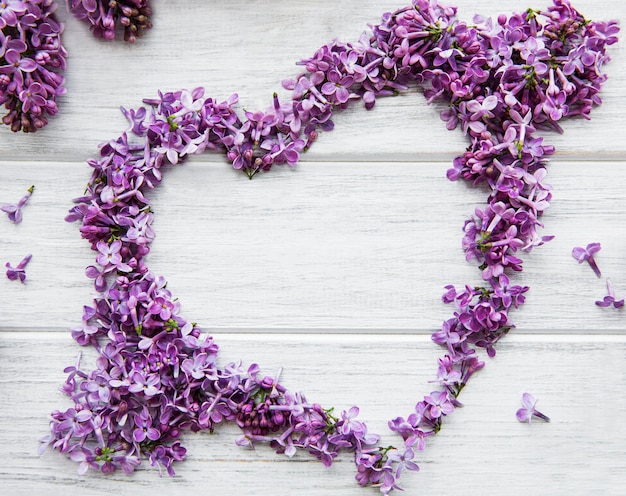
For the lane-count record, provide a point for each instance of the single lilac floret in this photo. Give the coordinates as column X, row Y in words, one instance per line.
column 528, row 410
column 610, row 298
column 586, row 254
column 19, row 272
column 14, row 212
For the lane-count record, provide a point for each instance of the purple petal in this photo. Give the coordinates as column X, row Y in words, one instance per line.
column 343, row 94
column 579, row 254
column 593, row 248
column 528, row 400
column 523, row 415
column 83, row 415
column 12, row 56
column 329, row 88
column 90, row 5
column 28, row 65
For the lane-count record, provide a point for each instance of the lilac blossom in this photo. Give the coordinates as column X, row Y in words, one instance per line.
column 610, row 298
column 528, row 410
column 9, row 9
column 104, row 16
column 19, row 272
column 587, row 255
column 14, row 212
column 31, row 61
column 439, row 404
column 17, row 66
column 109, row 256
column 144, row 428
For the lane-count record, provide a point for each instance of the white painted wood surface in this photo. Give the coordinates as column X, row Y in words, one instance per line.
column 332, row 270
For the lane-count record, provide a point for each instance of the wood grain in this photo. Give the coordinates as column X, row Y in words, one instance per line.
column 324, row 245
column 581, row 451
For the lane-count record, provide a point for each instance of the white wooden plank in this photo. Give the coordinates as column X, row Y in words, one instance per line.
column 249, row 48
column 340, row 246
column 481, row 448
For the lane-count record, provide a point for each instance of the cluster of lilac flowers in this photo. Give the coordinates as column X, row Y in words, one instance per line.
column 157, row 375
column 31, row 60
column 106, row 16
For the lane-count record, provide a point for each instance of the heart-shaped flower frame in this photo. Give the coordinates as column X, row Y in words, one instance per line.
column 157, row 374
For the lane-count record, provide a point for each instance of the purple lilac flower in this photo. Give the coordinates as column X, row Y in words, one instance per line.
column 104, row 16
column 586, row 255
column 9, row 10
column 439, row 404
column 31, row 61
column 110, row 258
column 528, row 410
column 17, row 65
column 19, row 272
column 144, row 428
column 14, row 212
column 610, row 298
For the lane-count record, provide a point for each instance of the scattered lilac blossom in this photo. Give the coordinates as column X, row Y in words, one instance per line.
column 14, row 212
column 157, row 374
column 528, row 410
column 610, row 298
column 586, row 255
column 19, row 272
